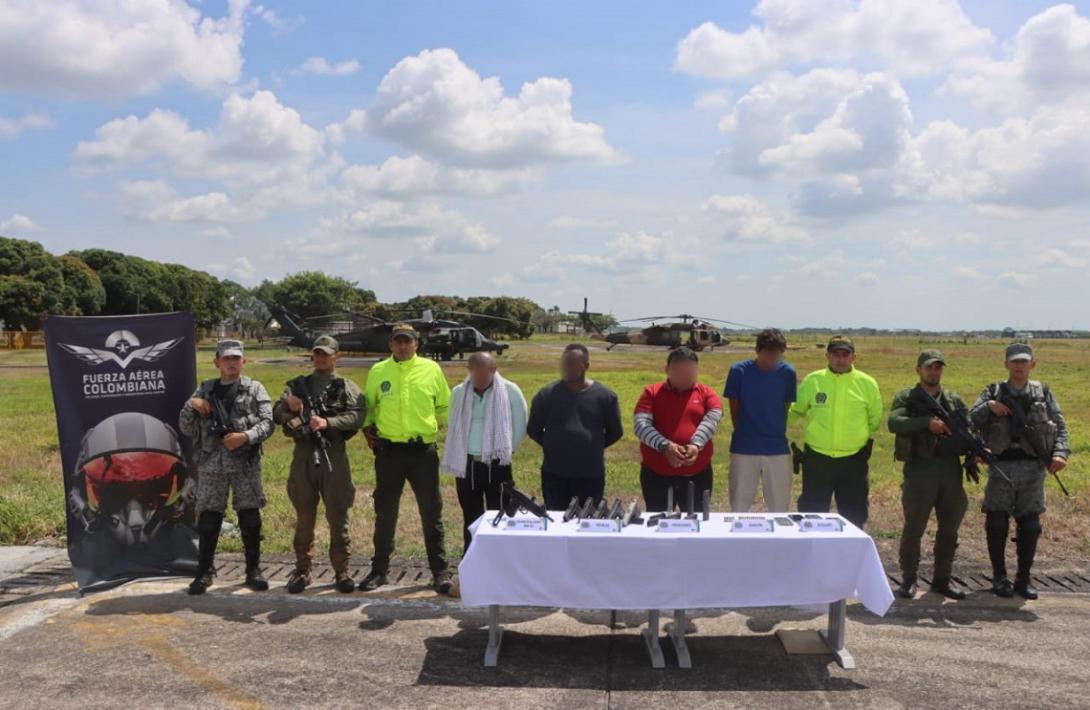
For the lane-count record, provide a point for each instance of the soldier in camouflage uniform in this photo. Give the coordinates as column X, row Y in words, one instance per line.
column 1022, row 424
column 228, row 418
column 319, row 464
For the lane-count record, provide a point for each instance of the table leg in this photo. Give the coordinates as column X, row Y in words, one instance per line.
column 677, row 636
column 834, row 636
column 495, row 637
column 651, row 638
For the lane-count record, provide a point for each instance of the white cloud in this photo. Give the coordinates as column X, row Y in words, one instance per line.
column 434, row 104
column 567, row 223
column 748, row 219
column 825, row 121
column 414, row 175
column 262, row 152
column 638, row 247
column 837, row 264
column 323, row 67
column 1049, row 63
column 12, row 127
column 257, row 139
column 275, row 22
column 157, row 201
column 908, row 38
column 19, row 224
column 113, row 49
column 866, row 277
column 240, row 268
column 218, row 232
column 714, row 100
column 969, row 273
column 432, row 228
column 1039, row 162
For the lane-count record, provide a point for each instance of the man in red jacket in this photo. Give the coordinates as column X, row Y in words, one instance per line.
column 675, row 421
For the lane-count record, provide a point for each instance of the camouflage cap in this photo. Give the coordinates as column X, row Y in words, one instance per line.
column 229, row 348
column 1019, row 351
column 326, row 343
column 929, row 356
column 840, row 342
column 403, row 330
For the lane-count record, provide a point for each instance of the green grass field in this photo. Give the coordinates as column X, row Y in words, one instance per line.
column 31, row 488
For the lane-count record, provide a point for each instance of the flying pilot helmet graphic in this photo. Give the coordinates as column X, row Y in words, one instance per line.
column 128, row 477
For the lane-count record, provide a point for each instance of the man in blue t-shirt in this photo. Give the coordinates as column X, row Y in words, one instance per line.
column 760, row 391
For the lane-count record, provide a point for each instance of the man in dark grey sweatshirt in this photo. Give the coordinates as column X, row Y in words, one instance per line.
column 574, row 420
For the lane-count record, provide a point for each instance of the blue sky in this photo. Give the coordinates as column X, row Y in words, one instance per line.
column 896, row 164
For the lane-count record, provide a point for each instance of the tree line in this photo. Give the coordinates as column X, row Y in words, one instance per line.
column 35, row 283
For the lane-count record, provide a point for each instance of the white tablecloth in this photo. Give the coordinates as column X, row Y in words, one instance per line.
column 640, row 568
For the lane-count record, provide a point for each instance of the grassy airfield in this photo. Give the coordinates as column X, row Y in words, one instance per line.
column 32, row 491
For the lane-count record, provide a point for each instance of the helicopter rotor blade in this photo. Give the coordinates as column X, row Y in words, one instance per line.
column 730, row 322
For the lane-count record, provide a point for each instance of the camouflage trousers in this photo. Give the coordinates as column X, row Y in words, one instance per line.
column 242, row 482
column 1023, row 495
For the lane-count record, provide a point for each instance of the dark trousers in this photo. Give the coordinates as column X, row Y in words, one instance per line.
column 558, row 491
column 479, row 491
column 920, row 495
column 846, row 478
column 419, row 465
column 655, row 487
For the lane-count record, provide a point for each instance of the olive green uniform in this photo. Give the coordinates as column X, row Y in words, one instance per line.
column 309, row 481
column 932, row 480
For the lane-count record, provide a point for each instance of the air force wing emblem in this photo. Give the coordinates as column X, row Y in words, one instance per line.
column 122, row 348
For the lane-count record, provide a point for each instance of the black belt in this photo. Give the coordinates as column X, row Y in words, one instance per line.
column 417, row 444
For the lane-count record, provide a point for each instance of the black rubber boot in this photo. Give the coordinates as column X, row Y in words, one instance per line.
column 208, row 532
column 1029, row 531
column 997, row 527
column 249, row 528
column 907, row 590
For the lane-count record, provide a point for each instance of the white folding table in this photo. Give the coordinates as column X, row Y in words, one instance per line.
column 642, row 568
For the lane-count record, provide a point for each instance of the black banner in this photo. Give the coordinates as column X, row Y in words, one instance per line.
column 119, row 383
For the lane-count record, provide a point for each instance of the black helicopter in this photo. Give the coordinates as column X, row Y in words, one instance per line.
column 439, row 339
column 695, row 332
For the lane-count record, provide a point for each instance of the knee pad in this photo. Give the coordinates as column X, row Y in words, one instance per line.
column 1030, row 524
column 996, row 522
column 209, row 521
column 249, row 519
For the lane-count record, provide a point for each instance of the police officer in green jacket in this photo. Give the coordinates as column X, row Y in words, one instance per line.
column 321, row 475
column 933, row 467
column 842, row 408
column 407, row 399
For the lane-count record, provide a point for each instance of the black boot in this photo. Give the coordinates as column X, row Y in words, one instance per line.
column 948, row 588
column 996, row 528
column 1029, row 530
column 208, row 531
column 249, row 528
column 907, row 590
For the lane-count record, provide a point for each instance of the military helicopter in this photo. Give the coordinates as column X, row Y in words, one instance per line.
column 696, row 332
column 439, row 339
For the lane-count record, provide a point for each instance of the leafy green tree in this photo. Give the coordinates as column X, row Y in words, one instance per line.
column 132, row 284
column 248, row 314
column 29, row 261
column 22, row 302
column 84, row 294
column 313, row 293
